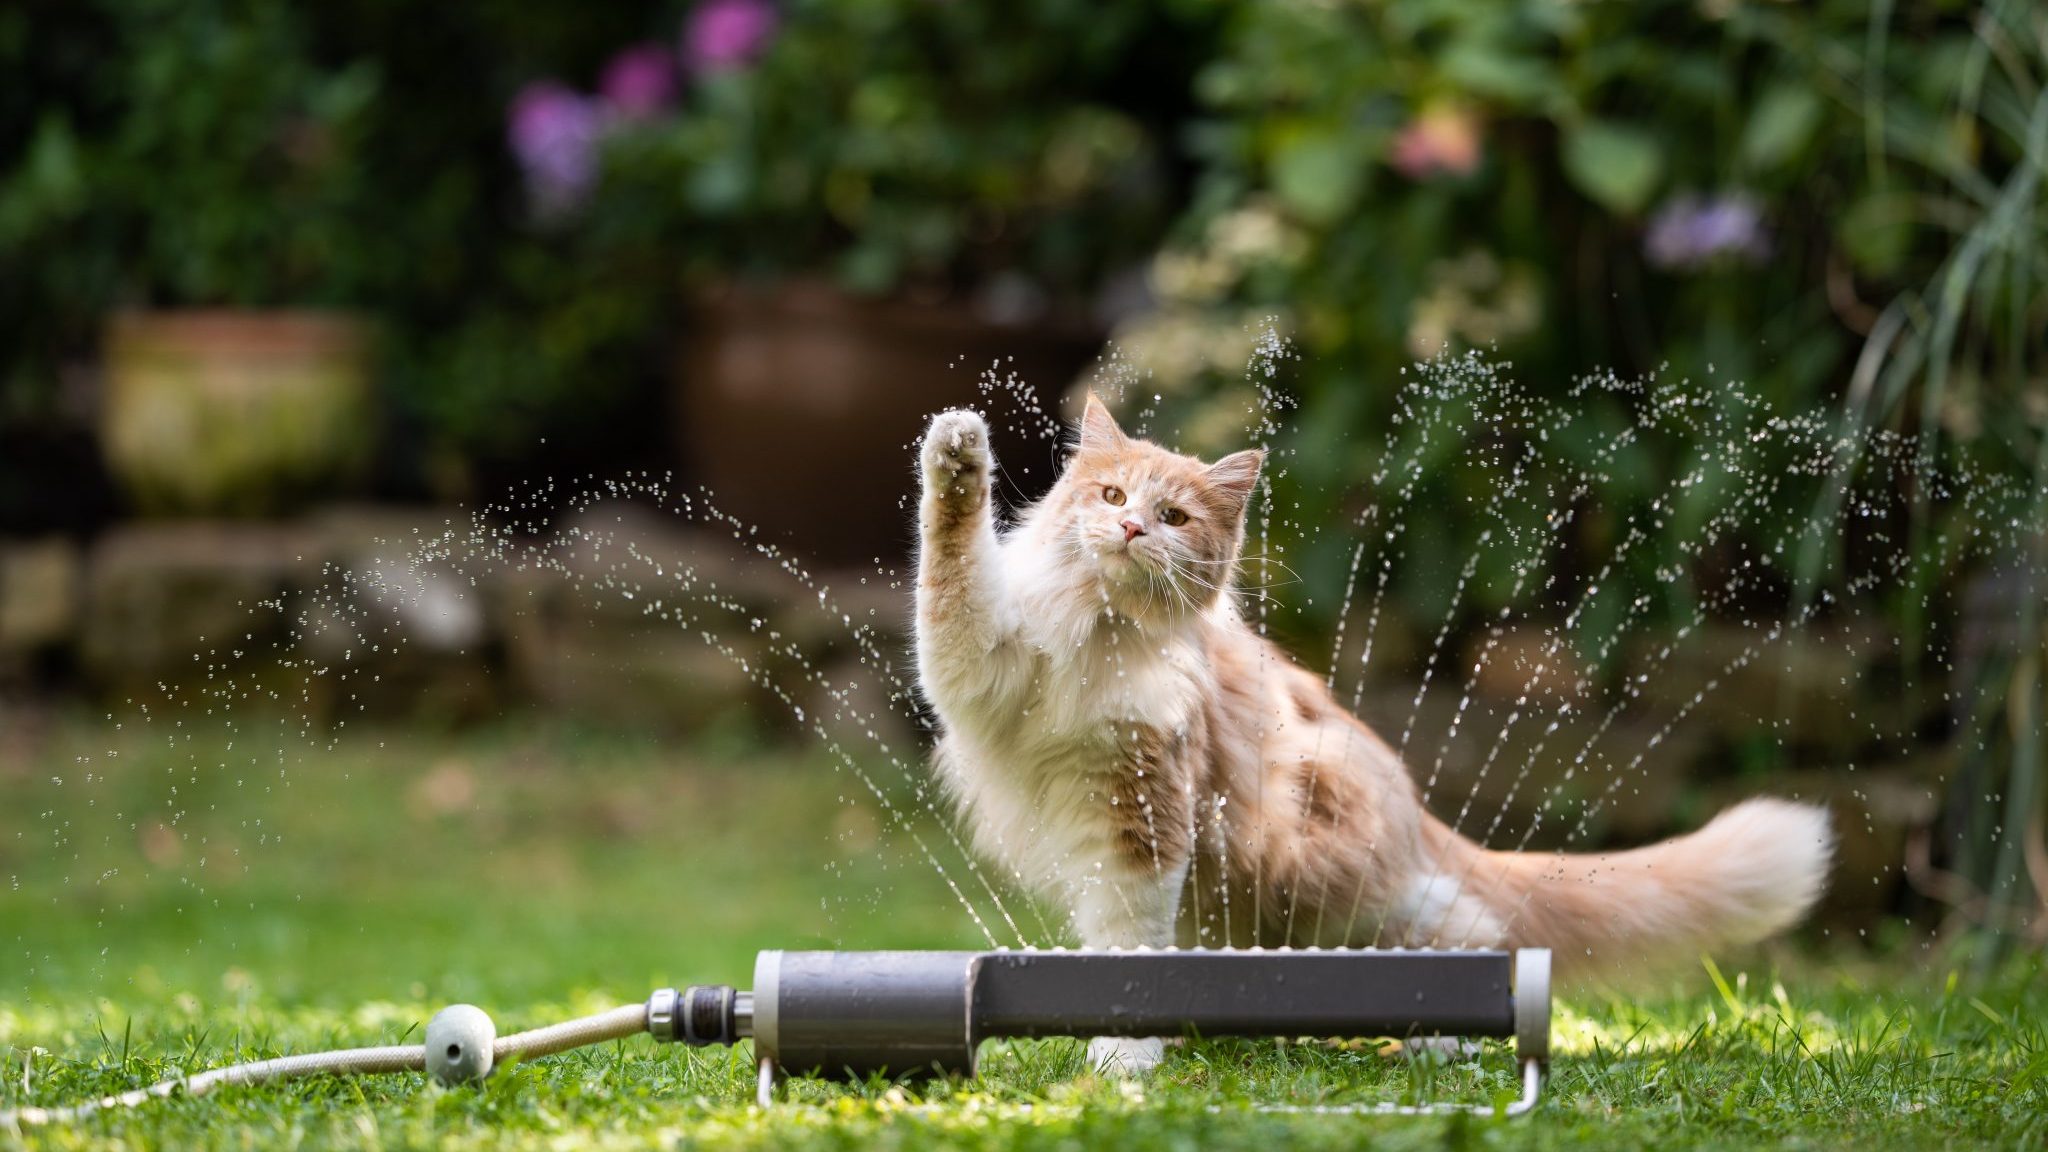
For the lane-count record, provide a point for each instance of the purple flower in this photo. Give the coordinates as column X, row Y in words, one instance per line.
column 640, row 81
column 721, row 35
column 1690, row 232
column 554, row 130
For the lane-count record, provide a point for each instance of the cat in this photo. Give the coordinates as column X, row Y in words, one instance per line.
column 1119, row 741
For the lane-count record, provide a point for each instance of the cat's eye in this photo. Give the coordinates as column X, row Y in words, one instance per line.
column 1114, row 495
column 1174, row 517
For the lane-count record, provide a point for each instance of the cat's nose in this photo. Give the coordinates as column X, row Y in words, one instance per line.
column 1132, row 529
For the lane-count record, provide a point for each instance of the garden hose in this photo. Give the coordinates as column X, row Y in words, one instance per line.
column 460, row 1046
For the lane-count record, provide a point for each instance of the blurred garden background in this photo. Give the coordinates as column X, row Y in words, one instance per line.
column 291, row 292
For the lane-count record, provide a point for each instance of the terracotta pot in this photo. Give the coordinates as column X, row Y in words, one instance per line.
column 800, row 406
column 236, row 413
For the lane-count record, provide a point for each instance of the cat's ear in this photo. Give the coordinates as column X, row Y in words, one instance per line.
column 1098, row 427
column 1234, row 477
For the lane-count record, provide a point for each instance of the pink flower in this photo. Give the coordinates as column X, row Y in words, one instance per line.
column 1444, row 140
column 721, row 35
column 640, row 81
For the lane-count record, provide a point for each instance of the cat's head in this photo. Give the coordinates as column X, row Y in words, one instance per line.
column 1160, row 530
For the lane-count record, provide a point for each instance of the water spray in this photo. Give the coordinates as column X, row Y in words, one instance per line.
column 852, row 1015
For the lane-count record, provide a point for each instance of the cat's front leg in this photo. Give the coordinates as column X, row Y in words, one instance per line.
column 963, row 617
column 1133, row 910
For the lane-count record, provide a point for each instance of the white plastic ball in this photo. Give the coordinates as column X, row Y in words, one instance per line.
column 459, row 1039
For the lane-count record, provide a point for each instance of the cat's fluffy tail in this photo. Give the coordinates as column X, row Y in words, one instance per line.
column 1754, row 870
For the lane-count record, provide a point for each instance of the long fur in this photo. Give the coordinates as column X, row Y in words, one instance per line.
column 1122, row 743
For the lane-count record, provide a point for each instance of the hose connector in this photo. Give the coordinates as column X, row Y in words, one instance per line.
column 698, row 1015
column 661, row 1014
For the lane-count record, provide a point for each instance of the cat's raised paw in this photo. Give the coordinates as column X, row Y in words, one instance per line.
column 956, row 448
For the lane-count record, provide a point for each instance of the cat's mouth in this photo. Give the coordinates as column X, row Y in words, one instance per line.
column 1123, row 559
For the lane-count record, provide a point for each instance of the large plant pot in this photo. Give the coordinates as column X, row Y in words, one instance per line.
column 235, row 413
column 800, row 406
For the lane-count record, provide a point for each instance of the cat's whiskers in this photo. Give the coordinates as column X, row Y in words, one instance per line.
column 1261, row 560
column 1258, row 591
column 1176, row 577
column 1237, row 579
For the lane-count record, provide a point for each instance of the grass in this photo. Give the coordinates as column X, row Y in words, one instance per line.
column 547, row 872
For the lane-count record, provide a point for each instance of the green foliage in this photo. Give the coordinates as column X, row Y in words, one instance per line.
column 246, row 153
column 961, row 144
column 225, row 166
column 1535, row 181
column 1387, row 177
column 242, row 153
column 1617, row 166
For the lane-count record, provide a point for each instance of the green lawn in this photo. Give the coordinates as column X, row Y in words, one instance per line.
column 305, row 898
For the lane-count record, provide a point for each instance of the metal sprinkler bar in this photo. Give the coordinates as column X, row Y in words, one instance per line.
column 854, row 1014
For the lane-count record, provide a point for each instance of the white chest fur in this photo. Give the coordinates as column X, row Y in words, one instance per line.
column 1035, row 767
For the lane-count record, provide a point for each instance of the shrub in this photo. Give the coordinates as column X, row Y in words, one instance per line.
column 1771, row 194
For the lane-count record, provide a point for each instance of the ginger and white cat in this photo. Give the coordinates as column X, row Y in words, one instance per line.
column 1120, row 741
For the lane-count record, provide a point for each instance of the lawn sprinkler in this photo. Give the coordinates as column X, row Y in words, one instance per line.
column 857, row 1014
